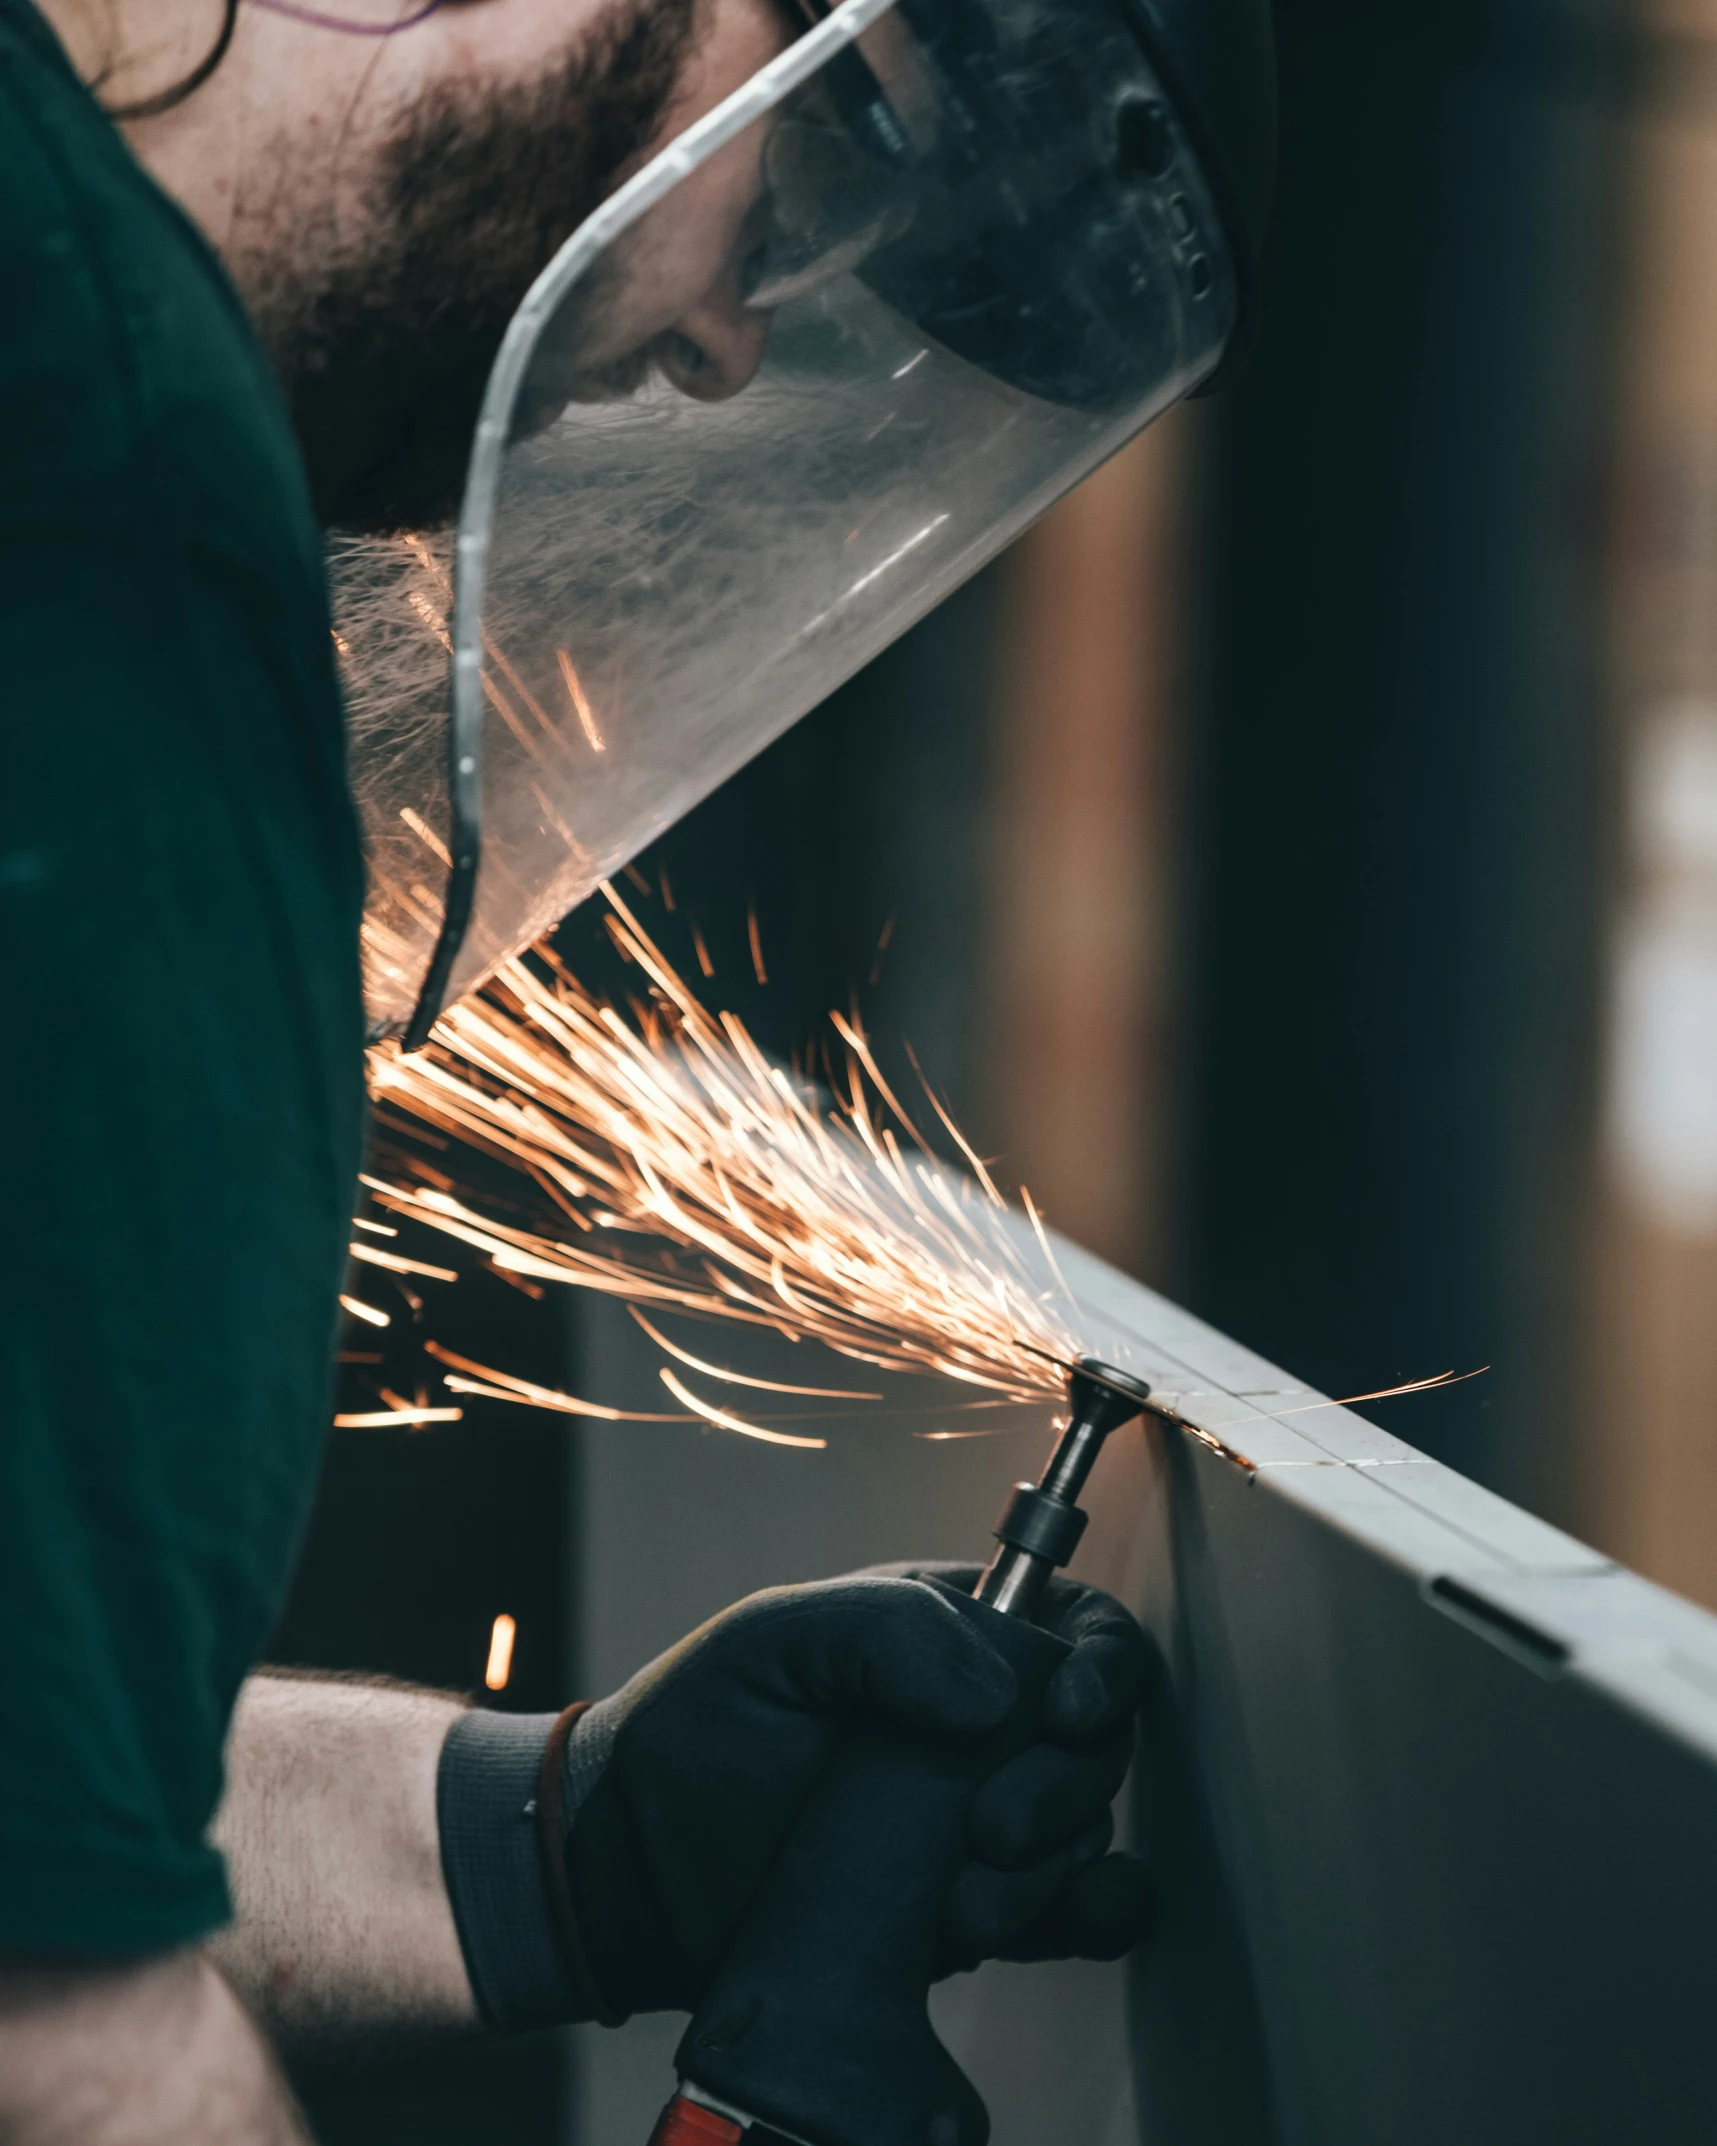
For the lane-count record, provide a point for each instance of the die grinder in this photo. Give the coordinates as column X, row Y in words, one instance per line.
column 815, row 2029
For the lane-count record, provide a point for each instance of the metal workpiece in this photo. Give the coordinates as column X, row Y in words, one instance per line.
column 1041, row 1526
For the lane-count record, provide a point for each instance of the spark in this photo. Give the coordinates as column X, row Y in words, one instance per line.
column 966, row 1148
column 430, row 564
column 376, row 1229
column 373, row 1256
column 886, row 935
column 367, row 1312
column 683, row 1171
column 1434, row 1384
column 580, row 702
column 378, row 1419
column 1042, row 1236
column 502, row 1386
column 426, row 834
column 720, row 1417
column 435, row 621
column 945, row 1438
column 1161, row 1406
column 736, row 1378
column 500, row 1664
column 756, row 939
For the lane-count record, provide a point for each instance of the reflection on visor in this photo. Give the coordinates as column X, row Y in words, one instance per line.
column 828, row 207
column 963, row 321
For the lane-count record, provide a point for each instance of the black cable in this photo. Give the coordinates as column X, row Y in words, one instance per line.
column 165, row 99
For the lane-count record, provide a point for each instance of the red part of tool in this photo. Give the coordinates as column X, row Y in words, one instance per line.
column 685, row 2123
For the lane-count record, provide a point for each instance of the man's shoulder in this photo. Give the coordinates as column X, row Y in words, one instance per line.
column 132, row 387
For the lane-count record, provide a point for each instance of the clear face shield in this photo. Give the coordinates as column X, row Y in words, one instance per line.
column 946, row 256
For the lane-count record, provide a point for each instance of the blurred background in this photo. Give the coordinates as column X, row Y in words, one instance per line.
column 1296, row 861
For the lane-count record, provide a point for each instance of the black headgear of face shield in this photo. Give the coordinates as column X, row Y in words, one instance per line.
column 985, row 240
column 1062, row 127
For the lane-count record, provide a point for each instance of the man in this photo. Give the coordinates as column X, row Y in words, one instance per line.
column 180, row 889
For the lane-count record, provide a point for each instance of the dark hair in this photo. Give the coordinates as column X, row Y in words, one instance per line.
column 165, row 99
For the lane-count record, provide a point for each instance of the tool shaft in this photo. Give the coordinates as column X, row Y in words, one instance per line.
column 1043, row 1522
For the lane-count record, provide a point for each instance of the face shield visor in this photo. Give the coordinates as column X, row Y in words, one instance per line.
column 815, row 364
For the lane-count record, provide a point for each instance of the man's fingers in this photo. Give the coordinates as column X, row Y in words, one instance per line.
column 892, row 1649
column 1103, row 1912
column 991, row 1911
column 1043, row 1798
column 1103, row 1682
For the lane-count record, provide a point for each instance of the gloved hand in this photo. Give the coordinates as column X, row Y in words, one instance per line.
column 679, row 1790
column 1040, row 1885
column 688, row 1780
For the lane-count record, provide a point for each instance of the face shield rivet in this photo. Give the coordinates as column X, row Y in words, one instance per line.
column 1144, row 140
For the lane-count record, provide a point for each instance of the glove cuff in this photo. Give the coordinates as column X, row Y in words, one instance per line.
column 505, row 1867
column 557, row 1805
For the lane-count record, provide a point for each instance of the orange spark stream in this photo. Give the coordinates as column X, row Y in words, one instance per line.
column 695, row 1175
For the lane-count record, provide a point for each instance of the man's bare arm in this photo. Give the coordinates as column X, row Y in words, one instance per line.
column 155, row 2052
column 343, row 1939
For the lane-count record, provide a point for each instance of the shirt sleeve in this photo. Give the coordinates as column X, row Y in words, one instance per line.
column 181, row 1111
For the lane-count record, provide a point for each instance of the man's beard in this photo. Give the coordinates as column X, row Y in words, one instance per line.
column 384, row 350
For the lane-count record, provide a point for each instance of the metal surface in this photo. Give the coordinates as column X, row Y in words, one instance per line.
column 1431, row 1788
column 1436, row 1804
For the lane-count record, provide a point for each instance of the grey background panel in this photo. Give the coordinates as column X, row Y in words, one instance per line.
column 1430, row 1787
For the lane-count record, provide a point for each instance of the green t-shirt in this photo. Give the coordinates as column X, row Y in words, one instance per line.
column 180, row 1023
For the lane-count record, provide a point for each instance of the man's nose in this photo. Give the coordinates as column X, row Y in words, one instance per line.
column 713, row 349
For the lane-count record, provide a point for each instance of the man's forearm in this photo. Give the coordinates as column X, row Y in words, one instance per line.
column 343, row 1940
column 343, row 1937
column 154, row 2052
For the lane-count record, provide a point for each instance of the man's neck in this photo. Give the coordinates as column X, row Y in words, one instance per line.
column 285, row 136
column 281, row 134
column 131, row 51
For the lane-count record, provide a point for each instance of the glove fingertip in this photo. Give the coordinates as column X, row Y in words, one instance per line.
column 1079, row 1706
column 1111, row 1908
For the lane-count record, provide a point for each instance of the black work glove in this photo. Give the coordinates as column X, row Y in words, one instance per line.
column 699, row 1767
column 679, row 1791
column 1040, row 1884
